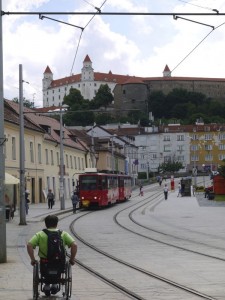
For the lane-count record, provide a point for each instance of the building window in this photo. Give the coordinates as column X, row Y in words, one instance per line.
column 180, row 148
column 166, row 148
column 31, row 152
column 208, row 147
column 194, row 147
column 221, row 156
column 71, row 161
column 221, row 146
column 167, row 158
column 208, row 137
column 67, row 161
column 166, row 138
column 75, row 162
column 124, row 92
column 194, row 158
column 59, row 90
column 194, row 137
column 180, row 137
column 13, row 148
column 79, row 163
column 39, row 154
column 57, row 157
column 222, row 136
column 82, row 161
column 52, row 158
column 46, row 156
column 208, row 157
column 180, row 158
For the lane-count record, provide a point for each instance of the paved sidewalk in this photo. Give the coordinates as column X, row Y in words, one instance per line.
column 16, row 274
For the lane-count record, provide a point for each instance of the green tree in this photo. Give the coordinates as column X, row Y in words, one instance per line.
column 170, row 166
column 26, row 103
column 78, row 112
column 103, row 97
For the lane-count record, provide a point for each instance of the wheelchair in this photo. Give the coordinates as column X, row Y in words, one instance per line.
column 59, row 275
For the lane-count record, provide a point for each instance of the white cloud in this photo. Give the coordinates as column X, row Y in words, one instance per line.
column 134, row 45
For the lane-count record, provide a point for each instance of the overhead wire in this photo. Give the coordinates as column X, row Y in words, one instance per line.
column 197, row 45
column 203, row 7
column 75, row 56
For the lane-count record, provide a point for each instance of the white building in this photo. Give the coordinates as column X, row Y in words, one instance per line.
column 87, row 82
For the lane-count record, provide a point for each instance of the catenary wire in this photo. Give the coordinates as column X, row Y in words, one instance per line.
column 197, row 46
column 203, row 7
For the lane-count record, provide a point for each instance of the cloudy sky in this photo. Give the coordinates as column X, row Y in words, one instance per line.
column 134, row 45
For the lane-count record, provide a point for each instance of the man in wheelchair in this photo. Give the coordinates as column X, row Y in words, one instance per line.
column 51, row 243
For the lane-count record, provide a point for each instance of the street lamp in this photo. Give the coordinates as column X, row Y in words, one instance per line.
column 203, row 166
column 62, row 167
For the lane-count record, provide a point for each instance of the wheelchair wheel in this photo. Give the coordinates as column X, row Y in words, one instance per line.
column 68, row 281
column 36, row 279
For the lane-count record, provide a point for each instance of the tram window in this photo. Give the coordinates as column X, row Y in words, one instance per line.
column 88, row 183
column 104, row 183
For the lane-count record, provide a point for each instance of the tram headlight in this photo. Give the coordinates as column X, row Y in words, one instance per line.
column 95, row 197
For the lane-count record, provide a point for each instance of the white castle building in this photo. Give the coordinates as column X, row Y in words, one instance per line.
column 87, row 82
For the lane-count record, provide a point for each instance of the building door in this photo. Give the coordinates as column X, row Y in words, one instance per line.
column 40, row 187
column 33, row 190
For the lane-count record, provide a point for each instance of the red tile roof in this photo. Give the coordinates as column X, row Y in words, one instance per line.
column 47, row 70
column 87, row 59
column 41, row 122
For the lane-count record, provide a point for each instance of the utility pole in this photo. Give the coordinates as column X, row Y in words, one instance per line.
column 3, row 254
column 62, row 199
column 22, row 152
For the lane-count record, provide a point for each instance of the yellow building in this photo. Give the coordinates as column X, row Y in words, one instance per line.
column 42, row 153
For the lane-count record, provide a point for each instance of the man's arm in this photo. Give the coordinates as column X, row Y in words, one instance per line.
column 73, row 252
column 30, row 252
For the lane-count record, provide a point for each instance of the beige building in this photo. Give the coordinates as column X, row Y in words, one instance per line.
column 42, row 153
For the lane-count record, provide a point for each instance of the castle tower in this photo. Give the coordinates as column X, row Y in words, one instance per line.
column 87, row 72
column 47, row 79
column 166, row 72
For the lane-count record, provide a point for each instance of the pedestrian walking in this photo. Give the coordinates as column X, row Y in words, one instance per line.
column 166, row 191
column 160, row 180
column 179, row 189
column 182, row 187
column 75, row 200
column 141, row 191
column 51, row 199
column 27, row 201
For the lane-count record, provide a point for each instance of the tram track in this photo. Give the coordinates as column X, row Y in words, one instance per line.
column 132, row 267
column 159, row 240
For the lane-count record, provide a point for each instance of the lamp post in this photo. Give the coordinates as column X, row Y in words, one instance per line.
column 3, row 252
column 203, row 166
column 22, row 152
column 62, row 168
column 112, row 155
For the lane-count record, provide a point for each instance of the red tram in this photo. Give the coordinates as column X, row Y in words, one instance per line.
column 100, row 189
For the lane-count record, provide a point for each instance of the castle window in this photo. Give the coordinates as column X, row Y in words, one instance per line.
column 59, row 90
column 124, row 92
column 65, row 88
